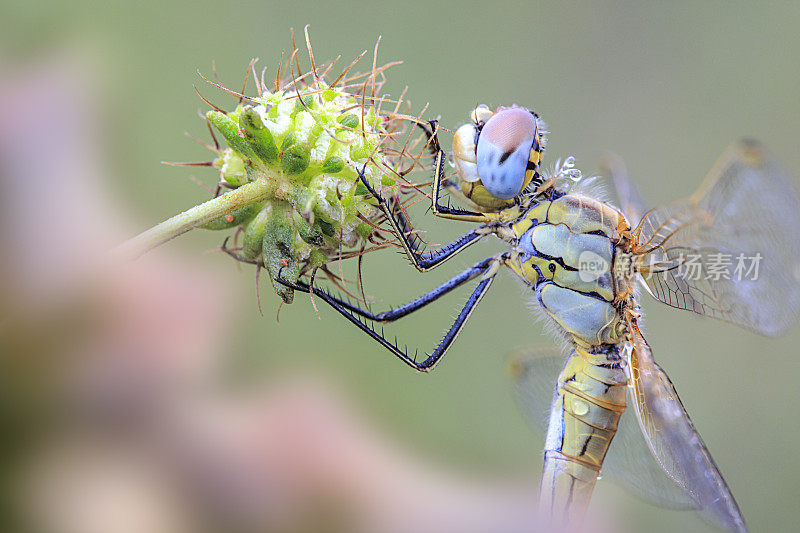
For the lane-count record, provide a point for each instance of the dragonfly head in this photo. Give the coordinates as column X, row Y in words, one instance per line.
column 496, row 155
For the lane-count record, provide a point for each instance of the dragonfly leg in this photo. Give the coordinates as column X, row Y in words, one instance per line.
column 440, row 210
column 401, row 225
column 488, row 268
column 406, row 309
column 427, row 260
column 237, row 256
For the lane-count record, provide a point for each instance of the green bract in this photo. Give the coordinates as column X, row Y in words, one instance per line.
column 309, row 142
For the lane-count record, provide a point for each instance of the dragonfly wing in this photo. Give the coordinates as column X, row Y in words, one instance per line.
column 534, row 371
column 673, row 440
column 626, row 192
column 730, row 251
column 629, row 462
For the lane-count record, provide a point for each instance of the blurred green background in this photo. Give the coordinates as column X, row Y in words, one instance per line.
column 667, row 86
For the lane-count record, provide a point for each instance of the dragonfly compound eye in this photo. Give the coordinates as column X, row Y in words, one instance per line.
column 503, row 151
column 464, row 157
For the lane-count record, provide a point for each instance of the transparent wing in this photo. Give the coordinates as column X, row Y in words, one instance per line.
column 625, row 191
column 673, row 440
column 730, row 251
column 629, row 462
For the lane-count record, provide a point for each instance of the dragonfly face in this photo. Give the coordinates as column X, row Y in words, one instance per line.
column 497, row 154
column 581, row 258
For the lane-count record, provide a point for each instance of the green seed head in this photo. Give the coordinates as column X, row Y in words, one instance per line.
column 308, row 140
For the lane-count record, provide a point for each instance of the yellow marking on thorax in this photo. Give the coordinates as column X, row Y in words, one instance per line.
column 524, row 269
column 582, row 214
column 537, row 213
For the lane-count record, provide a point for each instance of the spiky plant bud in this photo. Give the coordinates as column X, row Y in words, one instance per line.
column 304, row 143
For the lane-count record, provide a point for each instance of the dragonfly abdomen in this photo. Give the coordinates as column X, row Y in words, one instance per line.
column 588, row 402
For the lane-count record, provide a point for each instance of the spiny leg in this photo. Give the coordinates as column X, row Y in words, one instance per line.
column 405, row 310
column 401, row 225
column 488, row 267
column 411, row 243
column 439, row 210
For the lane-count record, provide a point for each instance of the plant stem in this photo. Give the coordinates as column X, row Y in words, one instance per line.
column 250, row 193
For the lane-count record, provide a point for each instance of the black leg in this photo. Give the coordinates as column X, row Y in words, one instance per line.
column 401, row 226
column 411, row 243
column 238, row 257
column 440, row 210
column 488, row 267
column 403, row 310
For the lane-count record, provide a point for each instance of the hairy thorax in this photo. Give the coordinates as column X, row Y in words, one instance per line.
column 570, row 251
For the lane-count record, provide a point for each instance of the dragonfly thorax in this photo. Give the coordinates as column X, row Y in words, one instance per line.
column 566, row 253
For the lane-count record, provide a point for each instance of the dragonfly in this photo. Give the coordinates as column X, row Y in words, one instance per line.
column 586, row 262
